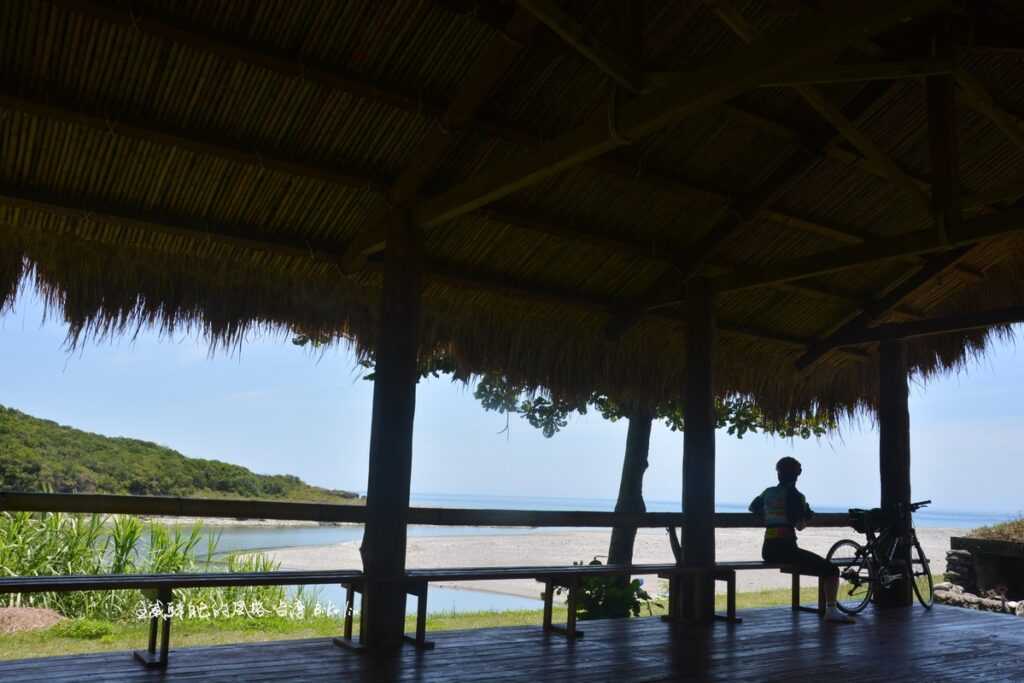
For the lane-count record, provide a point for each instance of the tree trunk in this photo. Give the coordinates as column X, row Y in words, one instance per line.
column 631, row 485
column 631, row 498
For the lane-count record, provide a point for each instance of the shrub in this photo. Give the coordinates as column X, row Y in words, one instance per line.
column 611, row 597
column 56, row 544
column 83, row 629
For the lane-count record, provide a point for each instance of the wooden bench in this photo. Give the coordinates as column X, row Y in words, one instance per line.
column 416, row 582
column 726, row 571
column 163, row 584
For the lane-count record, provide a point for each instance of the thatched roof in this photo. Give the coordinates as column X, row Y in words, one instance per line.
column 210, row 165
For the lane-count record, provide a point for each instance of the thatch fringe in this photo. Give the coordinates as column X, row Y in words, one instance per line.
column 103, row 291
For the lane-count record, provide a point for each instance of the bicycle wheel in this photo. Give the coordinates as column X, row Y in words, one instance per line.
column 856, row 576
column 921, row 575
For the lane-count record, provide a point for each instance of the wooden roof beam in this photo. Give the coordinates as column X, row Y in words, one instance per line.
column 530, row 291
column 646, row 114
column 742, row 212
column 886, row 303
column 937, row 326
column 264, row 157
column 334, row 79
column 612, row 63
column 975, row 230
column 192, row 142
column 943, row 138
column 962, row 322
column 830, row 112
column 978, row 97
column 357, row 179
column 653, row 251
column 487, row 70
column 834, row 151
column 859, row 72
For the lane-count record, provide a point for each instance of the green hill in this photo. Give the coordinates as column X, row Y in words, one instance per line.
column 40, row 455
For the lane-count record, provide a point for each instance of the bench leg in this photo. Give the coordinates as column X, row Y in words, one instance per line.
column 569, row 630
column 797, row 607
column 420, row 639
column 549, row 597
column 345, row 640
column 570, row 622
column 149, row 657
column 350, row 604
column 729, row 576
column 676, row 601
column 674, row 610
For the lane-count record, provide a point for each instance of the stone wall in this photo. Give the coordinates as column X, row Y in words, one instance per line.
column 961, row 588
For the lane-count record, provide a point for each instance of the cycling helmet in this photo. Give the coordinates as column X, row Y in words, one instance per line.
column 788, row 469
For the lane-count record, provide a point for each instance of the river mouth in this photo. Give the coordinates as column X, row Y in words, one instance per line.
column 440, row 599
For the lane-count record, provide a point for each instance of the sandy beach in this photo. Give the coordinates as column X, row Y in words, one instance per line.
column 562, row 548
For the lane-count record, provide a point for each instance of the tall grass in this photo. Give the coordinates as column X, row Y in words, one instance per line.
column 56, row 544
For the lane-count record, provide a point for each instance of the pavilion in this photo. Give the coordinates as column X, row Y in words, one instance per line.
column 795, row 201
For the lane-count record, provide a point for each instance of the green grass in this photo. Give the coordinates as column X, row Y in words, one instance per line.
column 83, row 636
column 1007, row 531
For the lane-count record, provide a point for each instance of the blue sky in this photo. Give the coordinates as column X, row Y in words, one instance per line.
column 274, row 408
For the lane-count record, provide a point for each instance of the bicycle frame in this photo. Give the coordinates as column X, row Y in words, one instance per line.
column 882, row 548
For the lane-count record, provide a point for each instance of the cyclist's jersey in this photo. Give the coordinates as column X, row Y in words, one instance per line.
column 782, row 508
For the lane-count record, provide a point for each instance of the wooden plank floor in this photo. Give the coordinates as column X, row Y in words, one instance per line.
column 945, row 644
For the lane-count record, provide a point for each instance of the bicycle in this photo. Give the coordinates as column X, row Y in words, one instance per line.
column 875, row 565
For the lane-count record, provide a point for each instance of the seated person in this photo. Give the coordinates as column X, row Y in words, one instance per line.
column 784, row 511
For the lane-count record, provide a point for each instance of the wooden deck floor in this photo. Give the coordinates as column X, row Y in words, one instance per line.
column 946, row 644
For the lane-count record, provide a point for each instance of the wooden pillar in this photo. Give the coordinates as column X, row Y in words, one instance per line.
column 894, row 449
column 699, row 452
column 382, row 619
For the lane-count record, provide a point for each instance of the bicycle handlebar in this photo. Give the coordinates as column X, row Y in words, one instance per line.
column 919, row 504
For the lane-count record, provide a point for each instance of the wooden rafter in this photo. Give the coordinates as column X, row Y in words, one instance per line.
column 334, row 79
column 488, row 69
column 830, row 112
column 742, row 212
column 943, row 137
column 979, row 98
column 652, row 251
column 835, row 151
column 146, row 131
column 859, row 72
column 977, row 229
column 889, row 301
column 932, row 326
column 611, row 62
column 646, row 114
column 357, row 179
column 269, row 159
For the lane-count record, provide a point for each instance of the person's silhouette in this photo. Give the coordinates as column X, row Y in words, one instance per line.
column 784, row 510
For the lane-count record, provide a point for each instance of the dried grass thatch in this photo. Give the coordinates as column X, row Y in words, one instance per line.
column 160, row 178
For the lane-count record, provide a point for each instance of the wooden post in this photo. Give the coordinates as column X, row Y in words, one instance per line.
column 894, row 450
column 699, row 453
column 394, row 405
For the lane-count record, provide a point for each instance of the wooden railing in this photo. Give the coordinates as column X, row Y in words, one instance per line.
column 356, row 514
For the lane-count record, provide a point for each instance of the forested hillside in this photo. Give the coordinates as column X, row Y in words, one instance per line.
column 40, row 455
